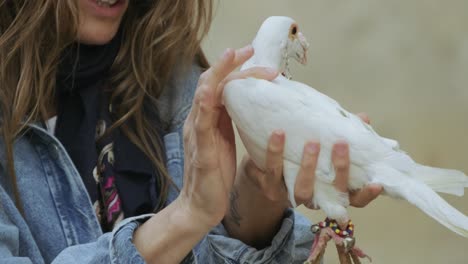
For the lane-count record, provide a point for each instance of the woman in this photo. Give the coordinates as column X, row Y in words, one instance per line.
column 94, row 95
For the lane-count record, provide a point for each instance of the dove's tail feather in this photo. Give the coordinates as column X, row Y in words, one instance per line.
column 441, row 180
column 399, row 185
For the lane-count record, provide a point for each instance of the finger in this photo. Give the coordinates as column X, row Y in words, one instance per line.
column 340, row 159
column 203, row 152
column 264, row 73
column 205, row 121
column 223, row 67
column 205, row 113
column 305, row 181
column 209, row 80
column 364, row 117
column 274, row 157
column 242, row 55
column 366, row 195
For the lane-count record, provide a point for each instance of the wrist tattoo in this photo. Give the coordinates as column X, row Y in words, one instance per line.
column 234, row 215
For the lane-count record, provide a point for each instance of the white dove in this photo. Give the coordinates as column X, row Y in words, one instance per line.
column 258, row 107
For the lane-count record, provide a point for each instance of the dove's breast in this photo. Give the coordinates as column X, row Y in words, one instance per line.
column 259, row 107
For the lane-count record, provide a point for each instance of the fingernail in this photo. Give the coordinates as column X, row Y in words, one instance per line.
column 312, row 148
column 376, row 188
column 341, row 149
column 247, row 48
column 278, row 136
column 226, row 53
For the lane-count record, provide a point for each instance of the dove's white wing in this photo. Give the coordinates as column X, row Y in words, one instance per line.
column 304, row 114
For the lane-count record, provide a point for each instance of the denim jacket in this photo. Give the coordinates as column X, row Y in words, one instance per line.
column 59, row 224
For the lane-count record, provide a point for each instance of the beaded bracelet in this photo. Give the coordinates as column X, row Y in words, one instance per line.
column 348, row 232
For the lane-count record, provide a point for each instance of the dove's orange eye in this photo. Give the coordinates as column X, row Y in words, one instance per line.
column 294, row 30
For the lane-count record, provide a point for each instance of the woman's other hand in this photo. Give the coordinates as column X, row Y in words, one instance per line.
column 260, row 196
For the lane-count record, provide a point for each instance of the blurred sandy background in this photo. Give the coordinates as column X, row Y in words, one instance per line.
column 405, row 63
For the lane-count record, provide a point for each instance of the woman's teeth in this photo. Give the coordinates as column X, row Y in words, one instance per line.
column 106, row 3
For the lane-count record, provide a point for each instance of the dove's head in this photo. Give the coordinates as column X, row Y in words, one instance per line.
column 278, row 40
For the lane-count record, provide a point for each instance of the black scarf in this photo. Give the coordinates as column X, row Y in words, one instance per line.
column 82, row 105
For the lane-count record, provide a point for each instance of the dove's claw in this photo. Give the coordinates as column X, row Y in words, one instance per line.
column 348, row 243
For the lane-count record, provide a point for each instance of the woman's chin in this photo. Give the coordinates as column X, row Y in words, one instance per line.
column 97, row 35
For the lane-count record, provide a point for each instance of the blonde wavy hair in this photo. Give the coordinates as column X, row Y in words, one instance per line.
column 33, row 34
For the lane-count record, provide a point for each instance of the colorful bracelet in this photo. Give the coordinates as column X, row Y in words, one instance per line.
column 348, row 232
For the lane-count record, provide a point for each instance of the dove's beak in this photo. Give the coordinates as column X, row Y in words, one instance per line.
column 305, row 46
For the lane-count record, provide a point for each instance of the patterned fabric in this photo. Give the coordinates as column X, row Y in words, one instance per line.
column 120, row 180
column 108, row 205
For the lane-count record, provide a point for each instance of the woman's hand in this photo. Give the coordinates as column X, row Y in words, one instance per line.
column 256, row 189
column 210, row 167
column 210, row 153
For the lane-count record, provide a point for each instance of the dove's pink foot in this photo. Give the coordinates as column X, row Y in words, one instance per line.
column 343, row 237
column 318, row 247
